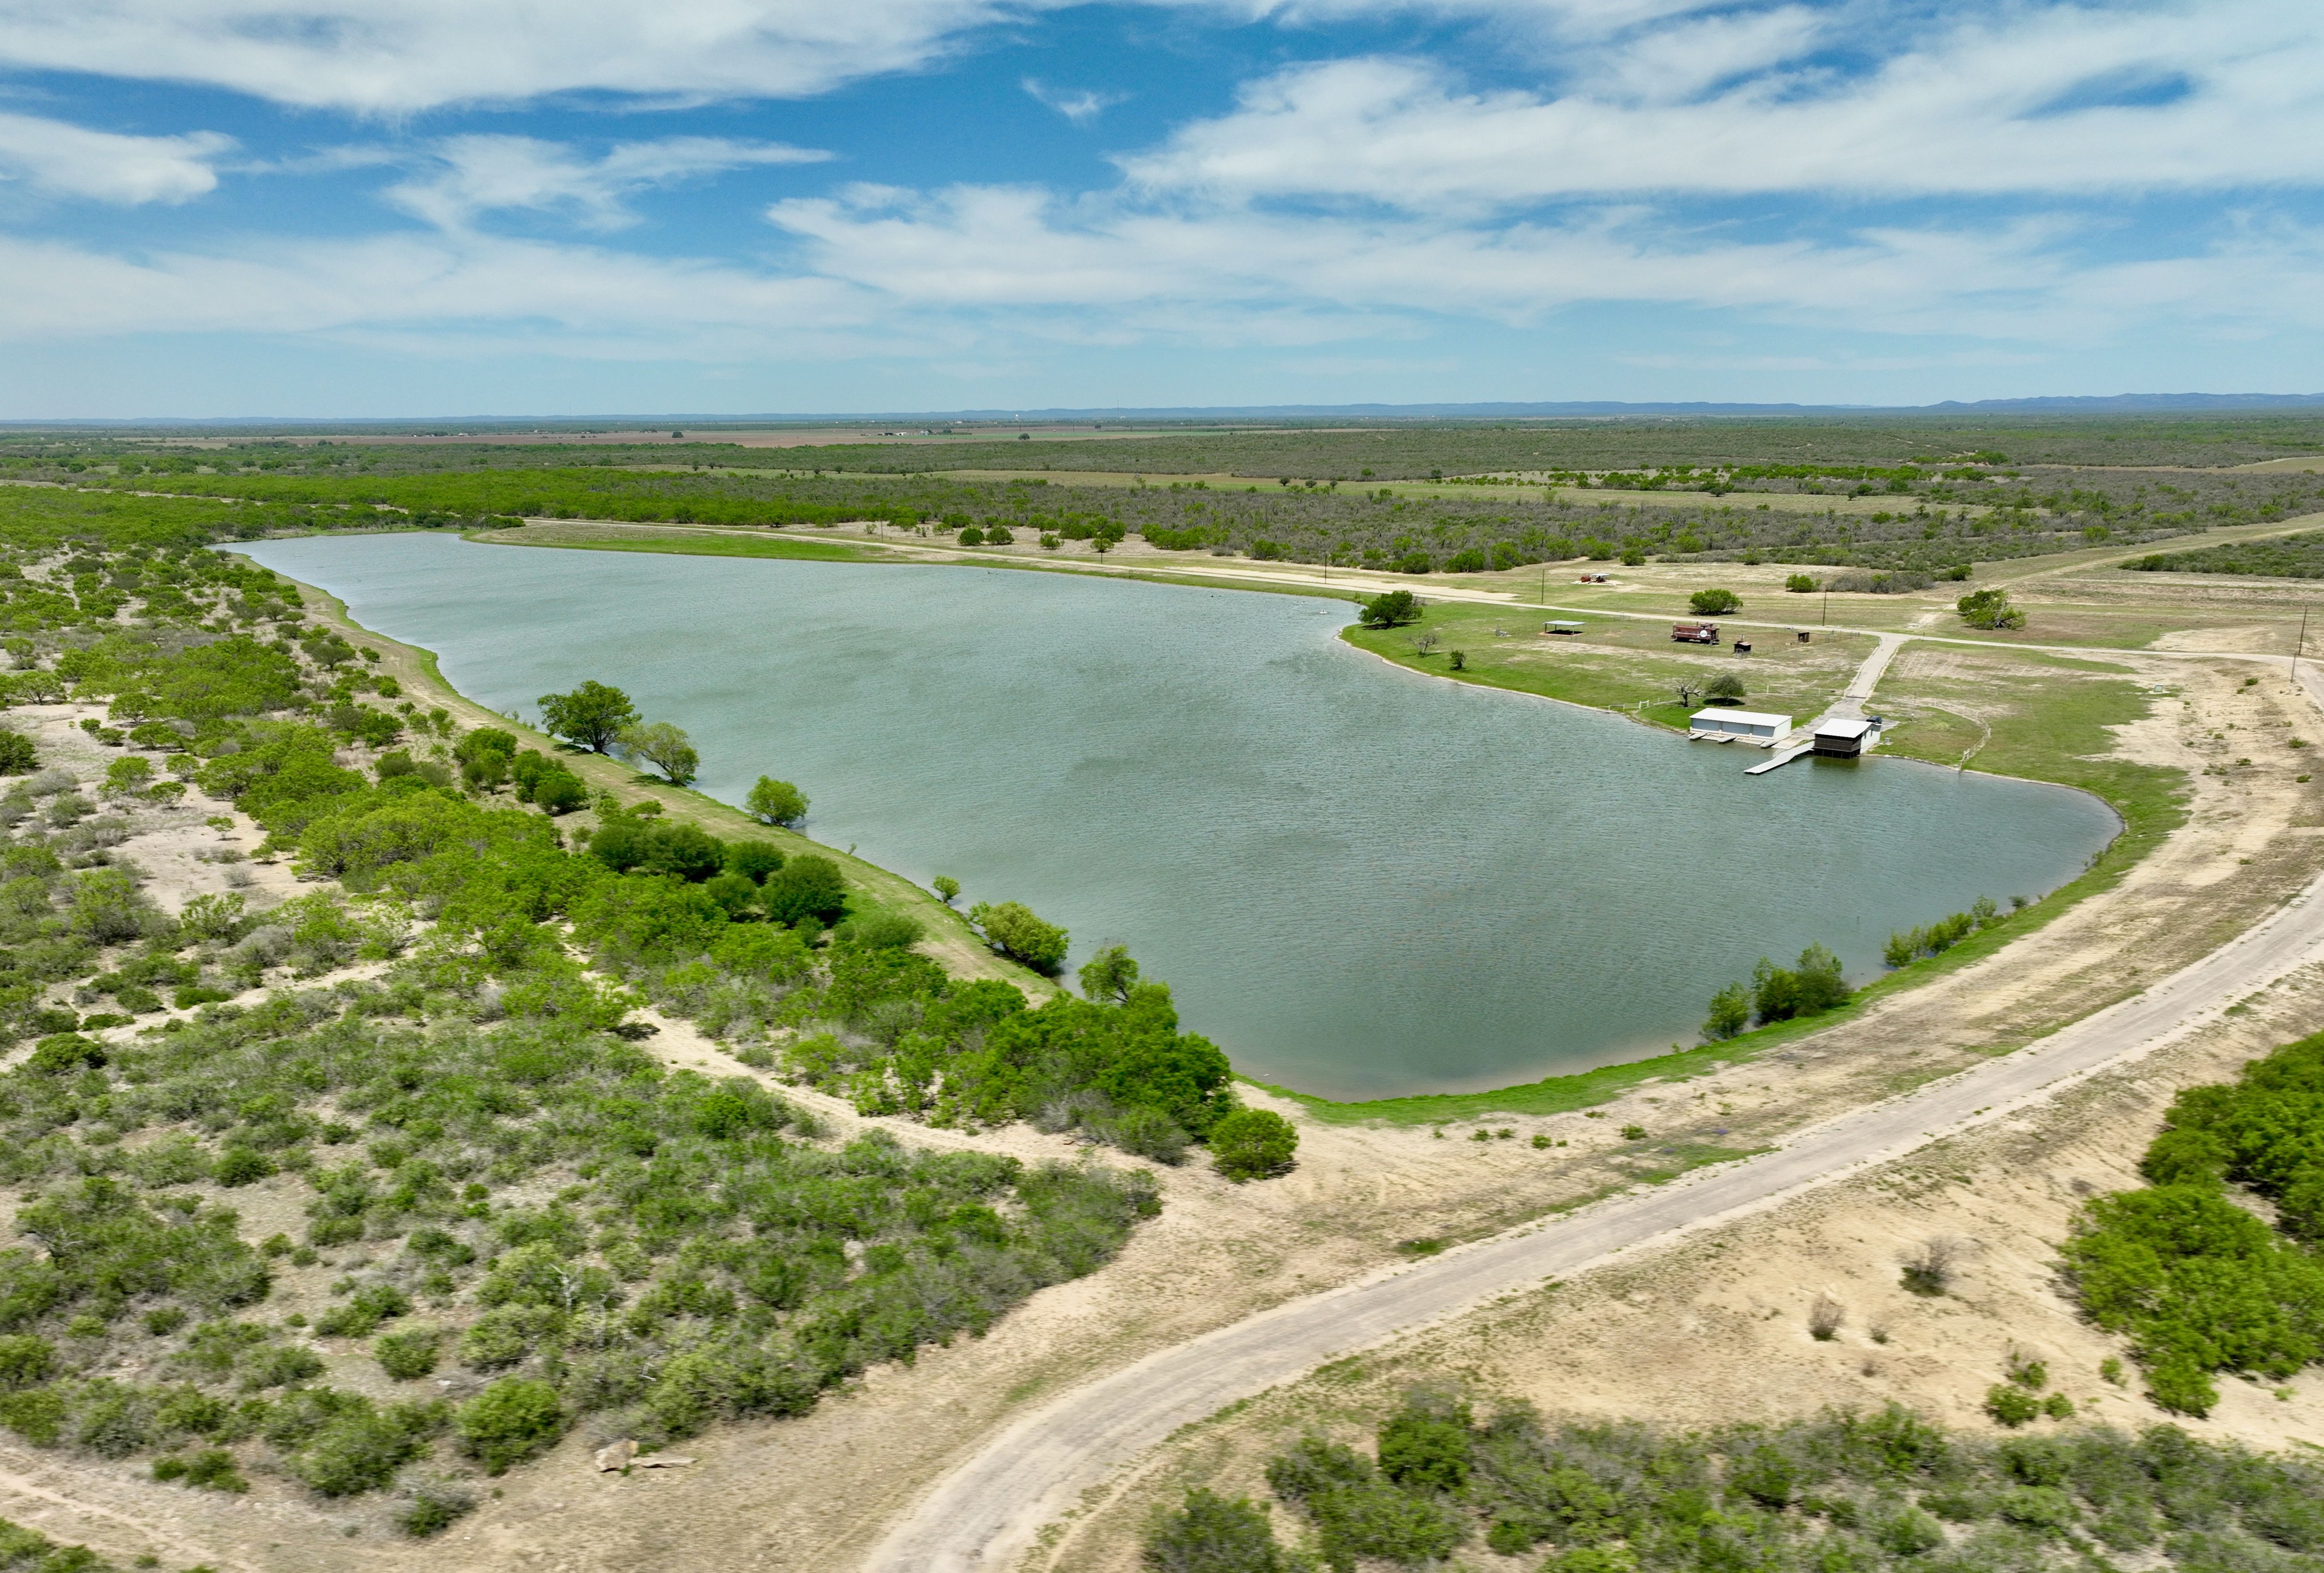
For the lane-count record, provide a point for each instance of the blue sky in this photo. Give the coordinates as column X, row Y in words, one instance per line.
column 383, row 208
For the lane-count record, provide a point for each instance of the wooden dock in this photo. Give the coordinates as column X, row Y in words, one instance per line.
column 1782, row 758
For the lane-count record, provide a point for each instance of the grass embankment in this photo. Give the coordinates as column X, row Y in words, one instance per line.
column 2044, row 718
column 665, row 538
column 699, row 541
column 1618, row 664
column 871, row 887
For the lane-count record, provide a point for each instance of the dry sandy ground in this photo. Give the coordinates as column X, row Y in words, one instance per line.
column 815, row 1492
column 1715, row 1329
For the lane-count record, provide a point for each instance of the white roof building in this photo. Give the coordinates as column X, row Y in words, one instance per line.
column 1750, row 726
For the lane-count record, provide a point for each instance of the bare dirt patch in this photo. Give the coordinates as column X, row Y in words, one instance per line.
column 1716, row 1330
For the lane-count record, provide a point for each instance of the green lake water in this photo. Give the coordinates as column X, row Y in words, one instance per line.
column 1360, row 881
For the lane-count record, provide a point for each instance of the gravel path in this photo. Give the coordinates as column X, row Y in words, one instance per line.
column 988, row 1511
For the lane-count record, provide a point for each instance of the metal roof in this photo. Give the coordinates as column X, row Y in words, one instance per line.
column 1749, row 718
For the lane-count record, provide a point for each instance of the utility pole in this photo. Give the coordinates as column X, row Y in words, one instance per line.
column 1825, row 620
column 2300, row 645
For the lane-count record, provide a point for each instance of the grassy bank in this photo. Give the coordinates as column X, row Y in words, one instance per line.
column 1614, row 664
column 2052, row 722
column 676, row 539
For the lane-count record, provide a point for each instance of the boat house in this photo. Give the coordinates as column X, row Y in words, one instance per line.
column 1739, row 725
column 1842, row 739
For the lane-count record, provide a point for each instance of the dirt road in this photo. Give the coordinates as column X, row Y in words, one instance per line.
column 989, row 1512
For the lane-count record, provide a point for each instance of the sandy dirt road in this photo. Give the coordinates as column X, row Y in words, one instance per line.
column 989, row 1512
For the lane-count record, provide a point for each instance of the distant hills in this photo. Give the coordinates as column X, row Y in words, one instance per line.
column 1584, row 409
column 2117, row 403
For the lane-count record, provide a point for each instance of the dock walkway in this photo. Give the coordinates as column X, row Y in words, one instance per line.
column 1781, row 759
column 1848, row 706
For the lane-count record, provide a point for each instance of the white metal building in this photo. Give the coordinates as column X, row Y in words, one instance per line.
column 1740, row 726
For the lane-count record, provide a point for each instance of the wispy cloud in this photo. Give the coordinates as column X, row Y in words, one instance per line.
column 64, row 160
column 1738, row 107
column 608, row 305
column 469, row 175
column 392, row 57
column 1079, row 106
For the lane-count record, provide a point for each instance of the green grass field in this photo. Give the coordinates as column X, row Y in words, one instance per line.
column 1621, row 664
column 685, row 542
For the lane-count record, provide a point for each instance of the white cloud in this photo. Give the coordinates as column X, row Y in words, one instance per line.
column 986, row 272
column 1353, row 198
column 476, row 174
column 1672, row 64
column 392, row 57
column 397, row 56
column 1969, row 110
column 71, row 160
column 1014, row 247
column 1079, row 106
column 442, row 290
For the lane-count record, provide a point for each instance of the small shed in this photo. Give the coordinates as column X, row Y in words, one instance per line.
column 1842, row 739
column 1743, row 725
column 1561, row 627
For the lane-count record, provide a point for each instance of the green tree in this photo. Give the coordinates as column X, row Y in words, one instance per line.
column 509, row 1422
column 591, row 715
column 128, row 776
column 1731, row 1012
column 807, row 887
column 737, row 892
column 487, row 757
column 558, row 791
column 407, row 1356
column 1392, row 609
column 1817, row 985
column 17, row 754
column 1423, row 1450
column 1253, row 1144
column 1727, row 685
column 1990, row 609
column 1211, row 1534
column 1011, row 928
column 1811, row 987
column 947, row 888
column 776, row 803
column 688, row 851
column 1110, row 975
column 1800, row 584
column 755, row 861
column 1713, row 602
column 664, row 747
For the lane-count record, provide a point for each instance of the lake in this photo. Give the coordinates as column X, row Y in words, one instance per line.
column 1360, row 881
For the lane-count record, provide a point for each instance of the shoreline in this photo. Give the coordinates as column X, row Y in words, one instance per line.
column 1557, row 1093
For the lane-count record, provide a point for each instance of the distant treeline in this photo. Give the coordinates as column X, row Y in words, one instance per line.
column 1935, row 523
